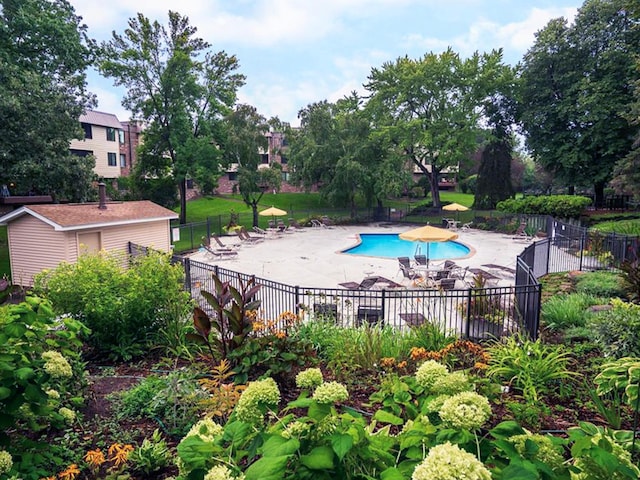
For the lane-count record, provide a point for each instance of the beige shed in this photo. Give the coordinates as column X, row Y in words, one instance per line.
column 43, row 236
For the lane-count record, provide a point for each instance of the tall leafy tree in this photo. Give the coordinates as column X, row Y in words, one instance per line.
column 428, row 109
column 44, row 52
column 336, row 150
column 181, row 89
column 576, row 87
column 245, row 140
column 499, row 111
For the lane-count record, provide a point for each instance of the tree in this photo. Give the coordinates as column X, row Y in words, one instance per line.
column 336, row 150
column 180, row 88
column 245, row 139
column 44, row 52
column 427, row 109
column 576, row 88
column 499, row 112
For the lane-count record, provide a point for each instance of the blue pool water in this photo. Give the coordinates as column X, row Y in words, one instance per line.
column 389, row 245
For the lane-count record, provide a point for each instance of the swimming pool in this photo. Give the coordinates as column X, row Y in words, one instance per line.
column 389, row 245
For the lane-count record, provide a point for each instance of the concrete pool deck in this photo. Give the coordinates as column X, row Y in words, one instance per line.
column 311, row 257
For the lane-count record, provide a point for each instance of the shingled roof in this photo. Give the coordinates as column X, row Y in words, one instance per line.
column 103, row 119
column 66, row 217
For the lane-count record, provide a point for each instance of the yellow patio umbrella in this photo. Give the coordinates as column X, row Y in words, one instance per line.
column 455, row 207
column 428, row 234
column 272, row 212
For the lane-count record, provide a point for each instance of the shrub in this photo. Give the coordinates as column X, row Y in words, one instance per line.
column 565, row 311
column 600, row 284
column 561, row 206
column 173, row 399
column 532, row 368
column 123, row 307
column 616, row 330
column 41, row 376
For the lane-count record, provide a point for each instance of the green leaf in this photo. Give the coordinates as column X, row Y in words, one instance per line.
column 4, row 393
column 341, row 444
column 318, row 411
column 386, row 417
column 402, row 397
column 24, row 373
column 15, row 330
column 320, row 458
column 506, row 429
column 391, row 474
column 519, row 472
column 268, row 468
column 277, row 446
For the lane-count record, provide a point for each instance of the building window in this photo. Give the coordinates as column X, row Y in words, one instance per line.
column 285, row 176
column 121, row 136
column 111, row 134
column 264, row 158
column 123, row 160
column 81, row 153
column 111, row 159
column 87, row 130
column 233, row 176
column 283, row 160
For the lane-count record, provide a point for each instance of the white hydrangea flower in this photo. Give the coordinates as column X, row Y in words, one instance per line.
column 257, row 394
column 429, row 373
column 309, row 378
column 68, row 414
column 6, row 462
column 330, row 392
column 448, row 462
column 56, row 365
column 466, row 410
column 206, row 429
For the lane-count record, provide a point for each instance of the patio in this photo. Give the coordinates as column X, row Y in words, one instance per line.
column 311, row 257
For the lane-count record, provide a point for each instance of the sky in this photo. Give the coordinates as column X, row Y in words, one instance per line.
column 297, row 52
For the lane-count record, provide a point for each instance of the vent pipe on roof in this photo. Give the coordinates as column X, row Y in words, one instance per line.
column 102, row 194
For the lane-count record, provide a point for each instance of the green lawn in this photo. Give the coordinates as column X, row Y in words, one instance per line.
column 199, row 209
column 221, row 206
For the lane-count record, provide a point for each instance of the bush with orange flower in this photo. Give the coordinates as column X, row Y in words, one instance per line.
column 274, row 348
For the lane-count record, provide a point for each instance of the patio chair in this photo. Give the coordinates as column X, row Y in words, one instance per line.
column 260, row 231
column 326, row 310
column 446, row 284
column 371, row 315
column 409, row 273
column 365, row 284
column 317, row 223
column 421, row 259
column 466, row 226
column 246, row 238
column 294, row 223
column 218, row 254
column 221, row 246
column 521, row 232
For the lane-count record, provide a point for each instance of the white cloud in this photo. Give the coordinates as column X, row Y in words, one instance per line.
column 484, row 35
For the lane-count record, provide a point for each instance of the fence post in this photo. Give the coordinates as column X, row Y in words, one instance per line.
column 383, row 302
column 187, row 274
column 581, row 249
column 297, row 295
column 467, row 332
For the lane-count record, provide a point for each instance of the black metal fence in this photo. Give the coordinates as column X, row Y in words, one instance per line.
column 473, row 313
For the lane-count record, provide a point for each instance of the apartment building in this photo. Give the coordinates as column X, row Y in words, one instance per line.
column 111, row 142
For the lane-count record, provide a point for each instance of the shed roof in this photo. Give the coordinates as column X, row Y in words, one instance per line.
column 103, row 119
column 80, row 216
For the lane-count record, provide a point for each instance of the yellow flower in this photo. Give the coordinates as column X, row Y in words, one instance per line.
column 94, row 458
column 118, row 453
column 70, row 473
column 402, row 364
column 281, row 335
